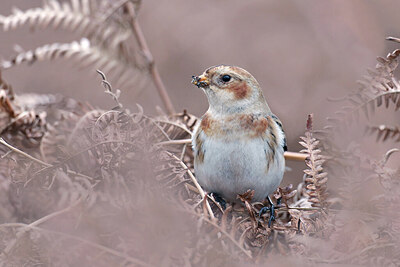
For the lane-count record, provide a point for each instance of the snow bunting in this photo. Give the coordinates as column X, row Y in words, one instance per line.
column 238, row 144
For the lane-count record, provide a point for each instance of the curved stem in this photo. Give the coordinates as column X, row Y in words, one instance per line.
column 137, row 31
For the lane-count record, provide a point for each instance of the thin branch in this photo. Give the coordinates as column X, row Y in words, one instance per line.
column 174, row 124
column 137, row 31
column 183, row 152
column 14, row 119
column 201, row 191
column 298, row 208
column 47, row 165
column 3, row 142
column 295, row 156
column 175, row 142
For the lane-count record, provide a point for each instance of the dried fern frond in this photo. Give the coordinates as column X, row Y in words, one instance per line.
column 85, row 16
column 111, row 160
column 73, row 15
column 103, row 40
column 381, row 234
column 384, row 132
column 381, row 79
column 316, row 178
column 85, row 53
column 18, row 124
column 67, row 15
column 378, row 87
column 116, row 40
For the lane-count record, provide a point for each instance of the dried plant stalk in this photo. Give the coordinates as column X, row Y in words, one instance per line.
column 137, row 30
column 317, row 178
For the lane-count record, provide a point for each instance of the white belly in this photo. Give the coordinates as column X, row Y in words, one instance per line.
column 232, row 167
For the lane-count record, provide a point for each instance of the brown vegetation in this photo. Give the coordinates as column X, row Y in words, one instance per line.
column 81, row 186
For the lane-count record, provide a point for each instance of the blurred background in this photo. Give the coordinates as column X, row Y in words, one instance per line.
column 301, row 52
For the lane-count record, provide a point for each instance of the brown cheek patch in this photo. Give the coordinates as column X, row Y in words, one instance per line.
column 240, row 89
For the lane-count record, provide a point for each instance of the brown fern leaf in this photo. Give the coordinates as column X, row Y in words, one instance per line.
column 7, row 88
column 123, row 70
column 73, row 15
column 104, row 31
column 316, row 179
column 84, row 16
column 7, row 111
column 379, row 87
column 20, row 124
column 384, row 132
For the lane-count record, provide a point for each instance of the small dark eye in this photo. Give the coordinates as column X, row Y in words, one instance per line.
column 226, row 78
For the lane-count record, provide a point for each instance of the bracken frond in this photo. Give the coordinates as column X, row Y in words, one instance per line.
column 378, row 87
column 384, row 132
column 86, row 54
column 316, row 178
column 76, row 15
column 104, row 30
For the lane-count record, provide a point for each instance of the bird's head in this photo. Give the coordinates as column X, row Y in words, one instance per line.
column 231, row 89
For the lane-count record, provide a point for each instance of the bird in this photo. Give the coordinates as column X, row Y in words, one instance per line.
column 238, row 144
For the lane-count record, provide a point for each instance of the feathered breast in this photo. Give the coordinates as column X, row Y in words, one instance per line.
column 245, row 125
column 239, row 127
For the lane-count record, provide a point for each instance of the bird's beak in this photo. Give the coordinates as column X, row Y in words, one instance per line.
column 200, row 81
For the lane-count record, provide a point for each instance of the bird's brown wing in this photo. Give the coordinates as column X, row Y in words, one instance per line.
column 279, row 123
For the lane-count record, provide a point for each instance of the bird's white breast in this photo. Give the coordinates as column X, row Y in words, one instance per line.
column 231, row 166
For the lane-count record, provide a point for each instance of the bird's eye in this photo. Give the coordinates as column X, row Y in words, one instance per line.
column 226, row 78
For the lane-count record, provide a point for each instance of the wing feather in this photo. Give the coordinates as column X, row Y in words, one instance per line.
column 279, row 123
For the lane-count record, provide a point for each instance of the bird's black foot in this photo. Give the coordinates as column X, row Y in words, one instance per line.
column 278, row 201
column 220, row 200
column 271, row 210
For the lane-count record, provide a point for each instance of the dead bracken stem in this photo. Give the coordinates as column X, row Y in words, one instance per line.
column 295, row 156
column 45, row 164
column 3, row 142
column 201, row 191
column 176, row 142
column 137, row 31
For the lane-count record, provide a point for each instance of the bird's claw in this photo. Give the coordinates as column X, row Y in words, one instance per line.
column 220, row 200
column 263, row 210
column 271, row 210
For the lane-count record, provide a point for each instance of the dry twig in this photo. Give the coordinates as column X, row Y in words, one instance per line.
column 137, row 30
